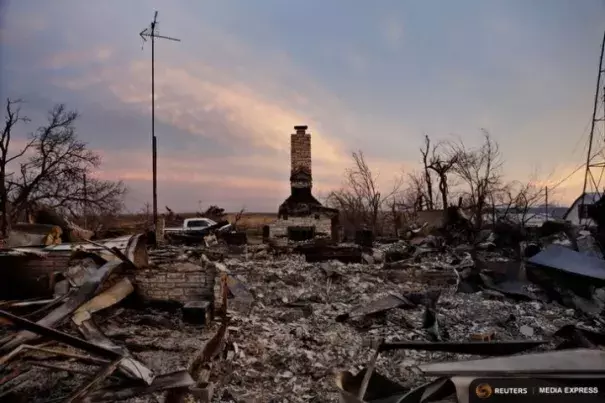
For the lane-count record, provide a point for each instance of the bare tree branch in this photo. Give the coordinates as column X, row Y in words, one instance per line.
column 360, row 200
column 428, row 180
column 442, row 162
column 480, row 170
column 59, row 173
column 12, row 118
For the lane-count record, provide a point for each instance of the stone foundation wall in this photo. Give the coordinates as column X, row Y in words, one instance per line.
column 181, row 282
column 280, row 227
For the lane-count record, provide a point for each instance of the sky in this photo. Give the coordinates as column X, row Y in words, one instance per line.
column 371, row 76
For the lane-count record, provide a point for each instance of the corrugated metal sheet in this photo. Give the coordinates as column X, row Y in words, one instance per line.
column 584, row 361
column 133, row 246
column 561, row 258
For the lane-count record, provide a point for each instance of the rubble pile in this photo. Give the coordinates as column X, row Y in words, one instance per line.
column 312, row 321
column 289, row 343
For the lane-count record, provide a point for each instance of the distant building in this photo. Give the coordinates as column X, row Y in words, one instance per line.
column 577, row 213
column 530, row 217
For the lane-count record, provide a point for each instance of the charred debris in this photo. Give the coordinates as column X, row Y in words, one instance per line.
column 212, row 316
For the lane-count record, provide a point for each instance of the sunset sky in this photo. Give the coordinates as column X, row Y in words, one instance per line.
column 363, row 75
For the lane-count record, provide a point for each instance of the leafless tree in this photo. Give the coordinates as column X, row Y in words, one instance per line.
column 59, row 172
column 442, row 161
column 12, row 118
column 480, row 170
column 360, row 200
column 517, row 198
column 428, row 180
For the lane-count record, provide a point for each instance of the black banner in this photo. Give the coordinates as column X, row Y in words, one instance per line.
column 537, row 390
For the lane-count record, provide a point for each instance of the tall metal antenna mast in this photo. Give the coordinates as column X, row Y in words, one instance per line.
column 595, row 158
column 153, row 32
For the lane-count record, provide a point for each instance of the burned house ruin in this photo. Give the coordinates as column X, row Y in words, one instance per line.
column 301, row 216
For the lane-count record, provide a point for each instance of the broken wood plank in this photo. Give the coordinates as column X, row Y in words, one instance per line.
column 60, row 336
column 23, row 347
column 100, row 377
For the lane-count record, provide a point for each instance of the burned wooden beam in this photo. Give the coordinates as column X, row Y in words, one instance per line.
column 58, row 336
column 78, row 395
column 68, row 354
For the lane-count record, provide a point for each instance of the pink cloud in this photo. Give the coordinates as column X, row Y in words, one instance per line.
column 71, row 58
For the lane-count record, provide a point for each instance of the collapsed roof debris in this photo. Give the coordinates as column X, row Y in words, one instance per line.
column 309, row 321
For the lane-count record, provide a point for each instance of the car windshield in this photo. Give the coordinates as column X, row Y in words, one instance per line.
column 197, row 223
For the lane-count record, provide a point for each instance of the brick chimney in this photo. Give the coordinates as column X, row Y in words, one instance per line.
column 300, row 159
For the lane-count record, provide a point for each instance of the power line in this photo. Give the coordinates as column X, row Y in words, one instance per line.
column 567, row 177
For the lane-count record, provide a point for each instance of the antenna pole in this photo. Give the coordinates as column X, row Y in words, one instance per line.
column 592, row 127
column 152, row 33
column 154, row 150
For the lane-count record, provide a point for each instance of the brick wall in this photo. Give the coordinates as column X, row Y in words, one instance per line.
column 29, row 276
column 300, row 150
column 280, row 227
column 181, row 282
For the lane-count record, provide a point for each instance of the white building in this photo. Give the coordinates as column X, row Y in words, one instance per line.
column 577, row 213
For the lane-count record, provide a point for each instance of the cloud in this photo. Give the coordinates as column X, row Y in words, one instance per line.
column 392, row 32
column 64, row 59
column 250, row 176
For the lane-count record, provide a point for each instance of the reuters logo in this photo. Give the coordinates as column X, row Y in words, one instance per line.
column 483, row 391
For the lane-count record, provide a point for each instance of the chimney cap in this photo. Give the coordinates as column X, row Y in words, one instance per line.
column 301, row 128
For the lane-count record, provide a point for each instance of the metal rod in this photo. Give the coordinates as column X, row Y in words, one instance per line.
column 368, row 375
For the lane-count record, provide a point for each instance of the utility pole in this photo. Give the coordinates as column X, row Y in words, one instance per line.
column 153, row 32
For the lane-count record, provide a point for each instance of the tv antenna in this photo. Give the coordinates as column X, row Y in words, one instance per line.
column 153, row 32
